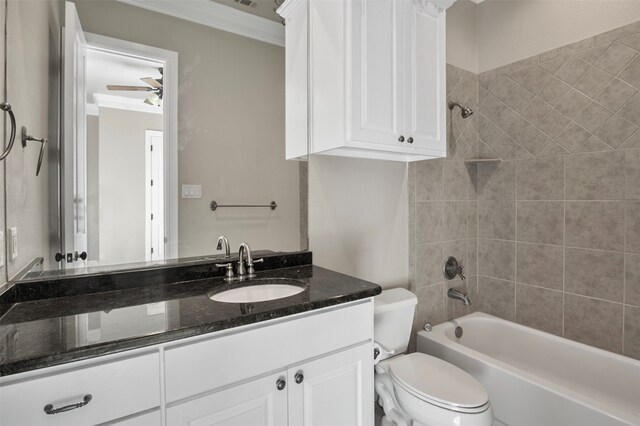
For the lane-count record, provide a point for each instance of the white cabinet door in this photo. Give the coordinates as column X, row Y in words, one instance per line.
column 425, row 68
column 334, row 390
column 296, row 78
column 256, row 403
column 376, row 71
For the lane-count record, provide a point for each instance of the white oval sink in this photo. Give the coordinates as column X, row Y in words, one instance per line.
column 257, row 293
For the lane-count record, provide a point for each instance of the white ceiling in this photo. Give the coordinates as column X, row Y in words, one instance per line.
column 107, row 68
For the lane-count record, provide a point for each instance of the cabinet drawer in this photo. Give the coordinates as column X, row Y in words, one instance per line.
column 118, row 388
column 206, row 365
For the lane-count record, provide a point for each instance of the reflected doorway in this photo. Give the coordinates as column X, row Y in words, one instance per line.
column 119, row 198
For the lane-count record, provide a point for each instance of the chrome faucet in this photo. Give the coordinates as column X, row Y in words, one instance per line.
column 455, row 294
column 222, row 239
column 249, row 272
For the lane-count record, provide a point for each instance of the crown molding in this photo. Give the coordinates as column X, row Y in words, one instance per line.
column 215, row 15
column 432, row 7
column 286, row 7
column 102, row 100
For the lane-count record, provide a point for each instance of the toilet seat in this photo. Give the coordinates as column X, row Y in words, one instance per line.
column 439, row 383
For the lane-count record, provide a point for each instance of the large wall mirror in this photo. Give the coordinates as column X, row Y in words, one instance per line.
column 164, row 134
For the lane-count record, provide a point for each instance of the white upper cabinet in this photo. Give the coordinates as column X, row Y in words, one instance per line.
column 366, row 78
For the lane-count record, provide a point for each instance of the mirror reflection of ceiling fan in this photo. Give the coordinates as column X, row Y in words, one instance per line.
column 154, row 86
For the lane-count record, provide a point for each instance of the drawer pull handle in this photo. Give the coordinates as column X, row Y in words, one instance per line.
column 50, row 410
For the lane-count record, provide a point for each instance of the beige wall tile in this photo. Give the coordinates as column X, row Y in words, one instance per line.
column 614, row 59
column 571, row 71
column 595, row 224
column 633, row 226
column 573, row 136
column 594, row 322
column 595, row 176
column 540, row 222
column 632, row 332
column 497, row 297
column 593, row 116
column 616, row 94
column 631, row 73
column 594, row 273
column 632, row 170
column 428, row 222
column 573, row 103
column 539, row 308
column 593, row 82
column 428, row 180
column 497, row 219
column 497, row 182
column 632, row 279
column 616, row 131
column 540, row 265
column 454, row 180
column 631, row 110
column 454, row 220
column 594, row 144
column 541, row 179
column 497, row 258
column 429, row 264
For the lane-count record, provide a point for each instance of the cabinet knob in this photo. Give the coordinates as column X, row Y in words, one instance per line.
column 401, row 139
column 299, row 377
column 281, row 383
column 410, row 140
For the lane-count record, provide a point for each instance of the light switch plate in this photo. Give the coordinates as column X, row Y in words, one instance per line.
column 191, row 191
column 13, row 243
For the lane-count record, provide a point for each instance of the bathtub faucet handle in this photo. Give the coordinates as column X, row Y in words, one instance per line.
column 460, row 274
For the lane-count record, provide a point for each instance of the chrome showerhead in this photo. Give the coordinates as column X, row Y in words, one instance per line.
column 464, row 111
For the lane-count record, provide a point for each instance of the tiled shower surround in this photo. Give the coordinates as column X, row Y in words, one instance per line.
column 557, row 222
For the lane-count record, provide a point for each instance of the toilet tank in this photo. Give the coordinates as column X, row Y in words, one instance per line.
column 393, row 318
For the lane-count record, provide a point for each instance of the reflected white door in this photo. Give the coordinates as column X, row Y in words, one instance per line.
column 154, row 185
column 74, row 157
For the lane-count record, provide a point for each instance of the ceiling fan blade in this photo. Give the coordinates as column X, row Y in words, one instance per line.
column 129, row 88
column 152, row 82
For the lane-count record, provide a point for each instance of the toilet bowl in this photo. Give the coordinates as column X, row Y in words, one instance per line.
column 418, row 389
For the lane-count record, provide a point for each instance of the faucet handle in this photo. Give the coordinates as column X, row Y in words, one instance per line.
column 250, row 271
column 460, row 274
column 261, row 260
column 228, row 276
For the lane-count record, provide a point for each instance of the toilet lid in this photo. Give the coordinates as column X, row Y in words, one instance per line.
column 437, row 381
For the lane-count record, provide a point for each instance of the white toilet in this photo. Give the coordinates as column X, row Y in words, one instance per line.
column 418, row 389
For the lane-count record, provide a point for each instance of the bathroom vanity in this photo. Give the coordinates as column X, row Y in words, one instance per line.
column 303, row 359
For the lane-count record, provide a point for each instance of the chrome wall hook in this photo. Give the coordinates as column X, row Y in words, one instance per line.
column 28, row 138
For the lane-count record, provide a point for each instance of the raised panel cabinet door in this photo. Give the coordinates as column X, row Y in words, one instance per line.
column 425, row 74
column 375, row 85
column 260, row 402
column 333, row 390
column 296, row 73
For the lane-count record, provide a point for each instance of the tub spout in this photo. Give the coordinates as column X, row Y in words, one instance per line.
column 455, row 294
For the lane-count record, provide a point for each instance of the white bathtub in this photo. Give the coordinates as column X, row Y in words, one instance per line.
column 538, row 379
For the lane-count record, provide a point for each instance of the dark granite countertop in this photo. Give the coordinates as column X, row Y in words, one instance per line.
column 39, row 332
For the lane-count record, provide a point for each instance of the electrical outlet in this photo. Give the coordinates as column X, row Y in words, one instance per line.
column 2, row 248
column 13, row 244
